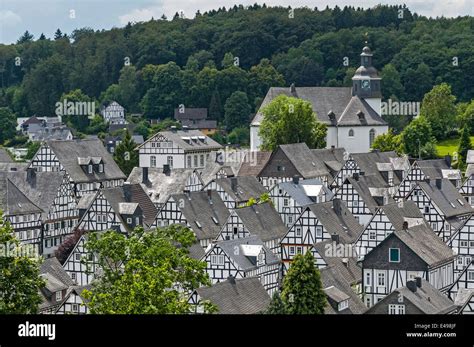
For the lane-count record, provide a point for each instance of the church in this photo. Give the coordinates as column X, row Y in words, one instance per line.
column 352, row 115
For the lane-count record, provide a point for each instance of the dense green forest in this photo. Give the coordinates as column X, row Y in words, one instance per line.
column 153, row 67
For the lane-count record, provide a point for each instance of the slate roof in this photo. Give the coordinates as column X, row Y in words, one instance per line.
column 247, row 187
column 342, row 223
column 245, row 296
column 433, row 168
column 193, row 145
column 131, row 193
column 333, row 158
column 68, row 153
column 13, row 167
column 12, row 200
column 463, row 296
column 56, row 279
column 446, row 197
column 56, row 133
column 229, row 247
column 197, row 207
column 402, row 211
column 263, row 221
column 190, row 113
column 200, row 124
column 331, row 277
column 230, row 162
column 253, row 163
column 425, row 244
column 369, row 188
column 5, row 156
column 428, row 299
column 42, row 190
column 370, row 163
column 298, row 193
column 350, row 115
column 307, row 164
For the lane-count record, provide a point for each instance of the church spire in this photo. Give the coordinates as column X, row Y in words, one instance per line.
column 366, row 80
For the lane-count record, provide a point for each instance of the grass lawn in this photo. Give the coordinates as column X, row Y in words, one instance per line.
column 449, row 146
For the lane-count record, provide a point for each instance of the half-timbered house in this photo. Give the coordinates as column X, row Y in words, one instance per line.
column 236, row 191
column 463, row 280
column 53, row 192
column 114, row 113
column 289, row 198
column 442, row 205
column 465, row 301
column 180, row 149
column 462, row 243
column 21, row 212
column 57, row 285
column 467, row 186
column 74, row 302
column 363, row 195
column 243, row 257
column 203, row 212
column 257, row 220
column 428, row 169
column 394, row 216
column 233, row 296
column 418, row 296
column 402, row 256
column 87, row 162
column 81, row 265
column 292, row 160
column 317, row 223
column 160, row 184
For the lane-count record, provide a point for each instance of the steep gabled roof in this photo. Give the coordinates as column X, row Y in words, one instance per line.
column 68, row 153
column 299, row 192
column 263, row 221
column 12, row 200
column 350, row 115
column 253, row 163
column 307, row 164
column 5, row 157
column 187, row 140
column 246, row 187
column 403, row 211
column 238, row 296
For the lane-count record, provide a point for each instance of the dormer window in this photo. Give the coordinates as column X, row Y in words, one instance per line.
column 343, row 305
column 101, row 168
column 89, row 169
column 59, row 296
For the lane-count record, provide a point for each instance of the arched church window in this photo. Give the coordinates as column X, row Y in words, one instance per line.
column 371, row 136
column 351, row 132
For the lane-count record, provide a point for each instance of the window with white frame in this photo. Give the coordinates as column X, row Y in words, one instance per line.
column 470, row 275
column 285, row 202
column 319, row 231
column 153, row 161
column 343, row 305
column 381, row 279
column 368, row 279
column 298, row 231
column 463, row 243
column 396, row 309
column 217, row 259
column 427, row 208
column 292, row 250
column 89, row 169
column 299, row 250
column 372, row 235
column 75, row 308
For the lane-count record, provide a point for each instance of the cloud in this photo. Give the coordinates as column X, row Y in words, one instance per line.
column 9, row 18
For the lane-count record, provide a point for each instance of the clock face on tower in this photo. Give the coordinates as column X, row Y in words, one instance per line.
column 365, row 85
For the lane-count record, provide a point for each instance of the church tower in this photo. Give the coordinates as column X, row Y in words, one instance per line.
column 366, row 81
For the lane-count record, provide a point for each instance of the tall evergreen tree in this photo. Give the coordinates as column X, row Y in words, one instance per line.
column 302, row 287
column 125, row 155
column 464, row 147
column 58, row 34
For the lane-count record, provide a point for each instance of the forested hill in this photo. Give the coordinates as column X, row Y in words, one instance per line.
column 153, row 67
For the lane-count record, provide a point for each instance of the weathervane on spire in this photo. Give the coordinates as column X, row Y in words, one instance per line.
column 366, row 38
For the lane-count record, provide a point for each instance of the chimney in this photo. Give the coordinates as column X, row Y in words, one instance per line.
column 31, row 176
column 233, row 184
column 438, row 183
column 361, row 115
column 427, row 179
column 355, row 176
column 231, row 279
column 332, row 117
column 405, row 225
column 292, row 88
column 418, row 281
column 345, row 262
column 335, row 238
column 145, row 175
column 447, row 159
column 166, row 169
column 337, row 205
column 296, row 179
column 411, row 285
column 209, row 196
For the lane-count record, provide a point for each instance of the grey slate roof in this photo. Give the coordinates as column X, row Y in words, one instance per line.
column 331, row 277
column 42, row 190
column 56, row 279
column 434, row 168
column 335, row 221
column 68, row 153
column 428, row 299
column 131, row 193
column 5, row 157
column 322, row 99
column 12, row 200
column 177, row 137
column 298, row 193
column 426, row 244
column 197, row 207
column 230, row 162
column 446, row 197
column 229, row 247
column 200, row 124
column 263, row 221
column 245, row 296
column 56, row 133
column 350, row 115
column 247, row 187
column 307, row 164
column 253, row 163
column 463, row 296
column 369, row 188
column 190, row 113
column 402, row 211
column 332, row 157
column 370, row 163
column 161, row 186
column 13, row 167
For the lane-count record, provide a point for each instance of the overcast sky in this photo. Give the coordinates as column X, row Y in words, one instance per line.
column 45, row 16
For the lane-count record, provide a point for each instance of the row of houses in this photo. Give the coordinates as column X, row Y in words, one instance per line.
column 367, row 238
